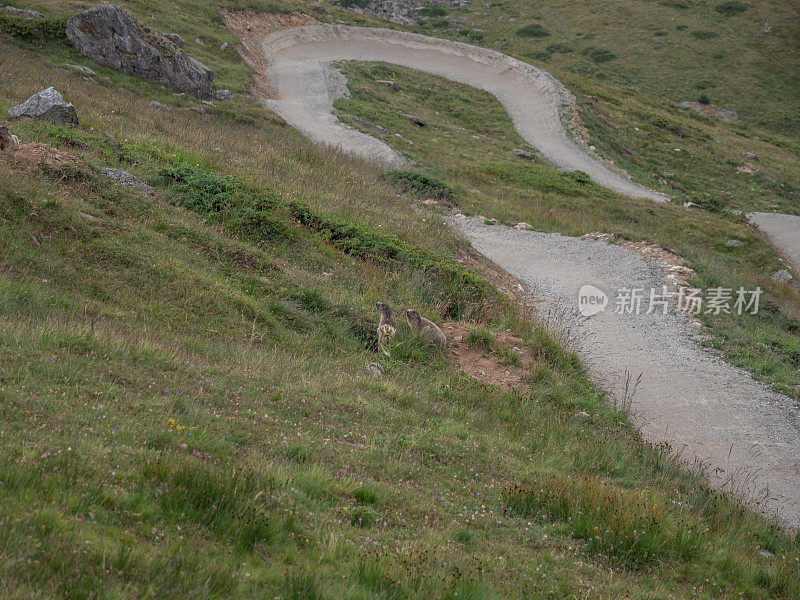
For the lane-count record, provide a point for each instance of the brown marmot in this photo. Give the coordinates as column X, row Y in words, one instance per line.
column 422, row 326
column 387, row 326
column 8, row 141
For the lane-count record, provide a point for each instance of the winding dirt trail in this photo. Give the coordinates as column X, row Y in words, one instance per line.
column 709, row 412
column 745, row 435
column 306, row 86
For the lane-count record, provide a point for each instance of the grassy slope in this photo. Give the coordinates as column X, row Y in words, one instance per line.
column 124, row 338
column 671, row 49
column 478, row 140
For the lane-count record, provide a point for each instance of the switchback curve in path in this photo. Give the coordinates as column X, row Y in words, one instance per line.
column 306, row 86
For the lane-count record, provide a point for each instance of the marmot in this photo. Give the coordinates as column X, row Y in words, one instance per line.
column 8, row 141
column 422, row 326
column 387, row 326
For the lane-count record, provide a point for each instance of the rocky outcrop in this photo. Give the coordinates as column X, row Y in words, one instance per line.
column 22, row 13
column 398, row 11
column 47, row 105
column 114, row 38
column 176, row 39
column 224, row 95
column 130, row 181
column 783, row 276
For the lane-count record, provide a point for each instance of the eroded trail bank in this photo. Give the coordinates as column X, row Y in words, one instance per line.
column 745, row 435
column 299, row 71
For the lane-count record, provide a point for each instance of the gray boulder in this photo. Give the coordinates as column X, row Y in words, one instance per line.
column 114, row 38
column 224, row 95
column 126, row 179
column 47, row 105
column 783, row 276
column 22, row 13
column 80, row 69
column 175, row 39
column 526, row 154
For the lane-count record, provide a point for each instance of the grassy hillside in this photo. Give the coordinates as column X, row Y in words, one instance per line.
column 185, row 404
column 742, row 56
column 468, row 143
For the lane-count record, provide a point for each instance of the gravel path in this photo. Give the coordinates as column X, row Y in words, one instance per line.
column 707, row 410
column 306, row 86
column 783, row 231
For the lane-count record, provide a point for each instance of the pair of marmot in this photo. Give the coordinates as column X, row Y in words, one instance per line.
column 8, row 141
column 387, row 326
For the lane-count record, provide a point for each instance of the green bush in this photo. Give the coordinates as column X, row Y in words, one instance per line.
column 433, row 11
column 571, row 183
column 33, row 29
column 559, row 48
column 598, row 55
column 198, row 189
column 424, row 185
column 731, row 8
column 534, row 30
column 460, row 292
column 261, row 219
column 704, row 99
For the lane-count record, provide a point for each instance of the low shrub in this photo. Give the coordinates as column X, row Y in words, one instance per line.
column 421, row 184
column 198, row 189
column 433, row 11
column 534, row 30
column 598, row 55
column 571, row 183
column 33, row 29
column 559, row 48
column 461, row 293
column 730, row 8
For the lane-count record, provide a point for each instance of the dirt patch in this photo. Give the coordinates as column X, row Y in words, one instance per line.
column 31, row 155
column 250, row 28
column 487, row 364
column 675, row 265
column 712, row 110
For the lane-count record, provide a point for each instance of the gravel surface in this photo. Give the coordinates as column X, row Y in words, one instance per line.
column 783, row 231
column 709, row 412
column 306, row 86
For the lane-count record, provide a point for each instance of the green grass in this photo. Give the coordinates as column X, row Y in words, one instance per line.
column 659, row 49
column 468, row 145
column 185, row 409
